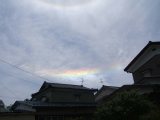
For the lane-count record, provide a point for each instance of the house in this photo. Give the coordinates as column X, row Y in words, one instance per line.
column 65, row 101
column 23, row 106
column 59, row 101
column 62, row 93
column 104, row 92
column 145, row 67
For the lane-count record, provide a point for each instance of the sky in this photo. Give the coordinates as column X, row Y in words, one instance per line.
column 67, row 41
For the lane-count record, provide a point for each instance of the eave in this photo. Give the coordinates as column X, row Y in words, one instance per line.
column 140, row 54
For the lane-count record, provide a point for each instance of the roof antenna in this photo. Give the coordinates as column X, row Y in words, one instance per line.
column 101, row 81
column 82, row 81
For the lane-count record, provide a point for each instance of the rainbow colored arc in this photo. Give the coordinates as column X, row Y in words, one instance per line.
column 68, row 73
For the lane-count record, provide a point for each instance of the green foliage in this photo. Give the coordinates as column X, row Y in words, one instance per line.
column 124, row 106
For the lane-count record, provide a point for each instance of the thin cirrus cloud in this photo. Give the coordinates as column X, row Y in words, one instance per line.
column 67, row 41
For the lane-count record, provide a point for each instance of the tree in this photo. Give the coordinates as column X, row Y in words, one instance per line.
column 124, row 106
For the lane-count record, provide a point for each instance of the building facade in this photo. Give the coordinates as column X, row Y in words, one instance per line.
column 145, row 67
column 59, row 101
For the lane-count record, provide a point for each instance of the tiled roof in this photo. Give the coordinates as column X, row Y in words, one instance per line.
column 46, row 85
column 131, row 87
column 103, row 88
column 23, row 106
column 68, row 86
column 104, row 92
column 64, row 104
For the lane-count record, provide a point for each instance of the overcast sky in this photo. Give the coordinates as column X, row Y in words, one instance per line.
column 66, row 41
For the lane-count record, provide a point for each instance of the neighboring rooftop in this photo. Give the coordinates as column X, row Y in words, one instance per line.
column 144, row 55
column 140, row 88
column 23, row 106
column 1, row 103
column 2, row 107
column 104, row 92
column 47, row 85
column 68, row 86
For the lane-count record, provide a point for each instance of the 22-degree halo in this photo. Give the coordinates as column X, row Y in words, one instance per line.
column 66, row 3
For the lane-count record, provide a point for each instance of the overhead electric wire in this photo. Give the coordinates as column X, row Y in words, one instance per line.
column 25, row 71
column 18, row 78
column 11, row 91
column 9, row 97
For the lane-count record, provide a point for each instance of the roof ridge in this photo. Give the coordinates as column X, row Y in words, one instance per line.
column 140, row 53
column 110, row 86
column 65, row 84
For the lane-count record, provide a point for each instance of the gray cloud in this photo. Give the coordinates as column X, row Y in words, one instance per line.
column 106, row 35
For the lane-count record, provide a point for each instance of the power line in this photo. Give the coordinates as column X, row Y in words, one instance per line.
column 12, row 93
column 25, row 71
column 10, row 97
column 18, row 78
